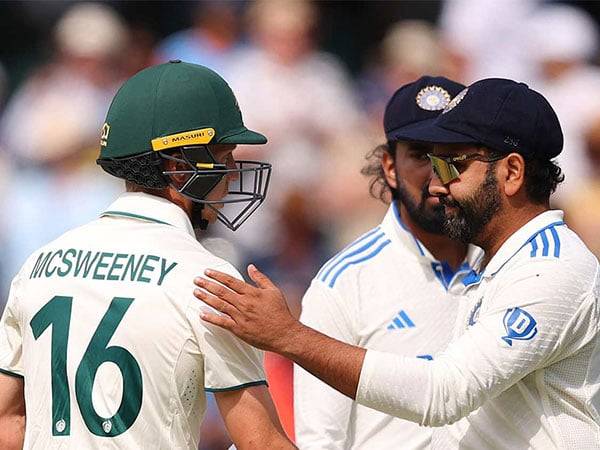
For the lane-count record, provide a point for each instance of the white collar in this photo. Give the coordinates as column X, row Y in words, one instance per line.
column 149, row 208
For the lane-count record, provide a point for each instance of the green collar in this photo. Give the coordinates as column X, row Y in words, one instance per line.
column 149, row 208
column 134, row 216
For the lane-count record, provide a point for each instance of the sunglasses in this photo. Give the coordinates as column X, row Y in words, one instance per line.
column 445, row 167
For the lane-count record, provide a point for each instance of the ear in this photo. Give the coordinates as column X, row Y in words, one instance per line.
column 388, row 164
column 179, row 179
column 513, row 174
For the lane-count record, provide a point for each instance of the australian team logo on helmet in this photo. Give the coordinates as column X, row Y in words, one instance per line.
column 175, row 111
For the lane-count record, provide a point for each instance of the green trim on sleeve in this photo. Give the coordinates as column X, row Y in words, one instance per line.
column 240, row 386
column 11, row 374
column 133, row 216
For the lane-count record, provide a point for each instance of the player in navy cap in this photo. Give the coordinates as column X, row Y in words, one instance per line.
column 487, row 122
column 522, row 369
column 408, row 247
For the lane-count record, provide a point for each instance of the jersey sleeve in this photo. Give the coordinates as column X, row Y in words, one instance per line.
column 229, row 363
column 321, row 413
column 11, row 334
column 536, row 318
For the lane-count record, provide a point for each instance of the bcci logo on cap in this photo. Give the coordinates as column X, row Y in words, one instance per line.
column 433, row 98
column 519, row 325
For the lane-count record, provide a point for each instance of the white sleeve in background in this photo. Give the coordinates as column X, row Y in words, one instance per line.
column 321, row 413
column 532, row 320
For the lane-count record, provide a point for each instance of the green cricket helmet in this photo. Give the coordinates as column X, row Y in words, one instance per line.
column 186, row 107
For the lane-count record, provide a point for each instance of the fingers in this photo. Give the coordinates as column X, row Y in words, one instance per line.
column 216, row 289
column 261, row 280
column 216, row 302
column 232, row 283
column 221, row 321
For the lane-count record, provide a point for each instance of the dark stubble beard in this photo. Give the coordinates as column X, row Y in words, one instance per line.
column 474, row 212
column 430, row 219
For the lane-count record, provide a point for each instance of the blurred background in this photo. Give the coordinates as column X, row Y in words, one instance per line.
column 313, row 76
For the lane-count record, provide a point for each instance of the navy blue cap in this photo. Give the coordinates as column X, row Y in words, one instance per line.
column 500, row 114
column 417, row 104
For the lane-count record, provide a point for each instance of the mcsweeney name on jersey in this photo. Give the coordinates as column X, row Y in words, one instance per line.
column 102, row 266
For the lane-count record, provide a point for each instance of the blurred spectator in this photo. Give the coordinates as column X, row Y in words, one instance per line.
column 303, row 100
column 140, row 50
column 50, row 133
column 213, row 39
column 582, row 206
column 62, row 105
column 563, row 41
column 285, row 83
column 299, row 249
column 485, row 38
column 400, row 64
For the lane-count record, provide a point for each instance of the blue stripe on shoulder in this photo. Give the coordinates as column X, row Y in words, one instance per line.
column 340, row 255
column 546, row 243
column 362, row 258
column 556, row 242
column 363, row 248
column 354, row 250
column 534, row 248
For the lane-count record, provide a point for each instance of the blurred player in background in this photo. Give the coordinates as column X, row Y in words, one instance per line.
column 523, row 366
column 350, row 298
column 117, row 289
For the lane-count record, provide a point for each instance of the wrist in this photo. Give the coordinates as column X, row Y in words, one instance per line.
column 291, row 339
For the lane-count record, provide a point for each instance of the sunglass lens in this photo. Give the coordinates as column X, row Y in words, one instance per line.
column 445, row 171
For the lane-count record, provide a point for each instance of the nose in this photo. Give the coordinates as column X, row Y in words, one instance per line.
column 436, row 187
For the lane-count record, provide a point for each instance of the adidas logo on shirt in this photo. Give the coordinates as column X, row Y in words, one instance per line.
column 401, row 321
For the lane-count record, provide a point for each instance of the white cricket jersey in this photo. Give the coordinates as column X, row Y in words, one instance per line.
column 525, row 365
column 386, row 292
column 103, row 326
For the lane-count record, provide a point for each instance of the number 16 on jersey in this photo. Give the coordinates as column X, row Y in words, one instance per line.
column 57, row 312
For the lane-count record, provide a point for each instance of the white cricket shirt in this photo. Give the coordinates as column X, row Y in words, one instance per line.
column 525, row 366
column 103, row 326
column 386, row 292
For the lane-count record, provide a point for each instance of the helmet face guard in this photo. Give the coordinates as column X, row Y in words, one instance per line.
column 246, row 191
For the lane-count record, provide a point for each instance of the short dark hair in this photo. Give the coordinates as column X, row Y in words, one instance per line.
column 378, row 186
column 542, row 176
